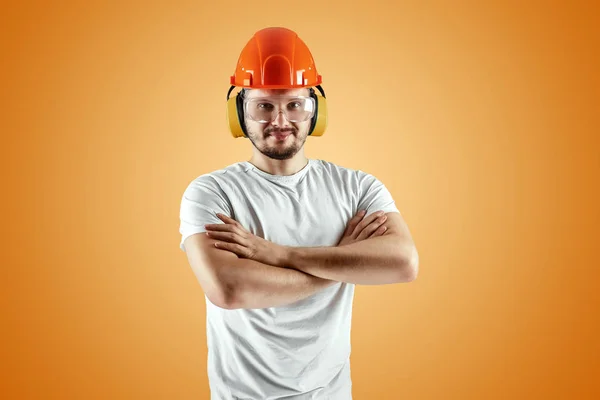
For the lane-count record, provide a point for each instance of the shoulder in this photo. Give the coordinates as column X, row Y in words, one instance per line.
column 217, row 179
column 333, row 168
column 345, row 172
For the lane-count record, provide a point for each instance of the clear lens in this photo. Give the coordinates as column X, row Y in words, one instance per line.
column 266, row 109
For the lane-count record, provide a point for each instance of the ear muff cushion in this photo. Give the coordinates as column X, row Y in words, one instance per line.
column 240, row 111
column 233, row 117
column 319, row 120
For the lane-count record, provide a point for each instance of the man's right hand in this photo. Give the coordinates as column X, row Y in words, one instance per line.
column 360, row 228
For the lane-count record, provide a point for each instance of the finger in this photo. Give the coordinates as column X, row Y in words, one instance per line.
column 226, row 236
column 220, row 227
column 233, row 247
column 365, row 222
column 243, row 235
column 225, row 217
column 379, row 232
column 228, row 220
column 239, row 228
column 372, row 227
column 353, row 222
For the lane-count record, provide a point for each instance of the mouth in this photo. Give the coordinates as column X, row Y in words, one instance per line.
column 281, row 135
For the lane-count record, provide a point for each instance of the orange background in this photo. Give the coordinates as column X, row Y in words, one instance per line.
column 482, row 120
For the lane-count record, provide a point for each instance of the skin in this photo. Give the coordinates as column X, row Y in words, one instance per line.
column 270, row 155
column 386, row 258
column 233, row 281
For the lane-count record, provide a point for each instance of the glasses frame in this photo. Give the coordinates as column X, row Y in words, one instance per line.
column 274, row 99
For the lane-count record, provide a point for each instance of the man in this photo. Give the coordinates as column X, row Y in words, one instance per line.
column 278, row 242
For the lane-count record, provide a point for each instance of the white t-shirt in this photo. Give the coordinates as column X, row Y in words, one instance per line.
column 300, row 351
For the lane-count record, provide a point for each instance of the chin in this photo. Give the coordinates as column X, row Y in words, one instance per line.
column 280, row 155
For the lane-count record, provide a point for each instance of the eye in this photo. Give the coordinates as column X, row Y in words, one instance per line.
column 295, row 104
column 265, row 106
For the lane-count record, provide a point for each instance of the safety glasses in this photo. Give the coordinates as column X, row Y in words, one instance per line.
column 266, row 109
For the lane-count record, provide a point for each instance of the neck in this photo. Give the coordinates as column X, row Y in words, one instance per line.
column 279, row 167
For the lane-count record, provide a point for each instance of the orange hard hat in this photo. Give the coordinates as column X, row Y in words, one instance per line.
column 275, row 58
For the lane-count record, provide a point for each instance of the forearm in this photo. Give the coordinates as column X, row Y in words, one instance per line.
column 252, row 284
column 375, row 261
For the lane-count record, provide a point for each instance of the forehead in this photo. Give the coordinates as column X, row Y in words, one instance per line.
column 276, row 92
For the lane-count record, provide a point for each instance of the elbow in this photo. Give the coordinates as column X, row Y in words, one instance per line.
column 225, row 296
column 408, row 265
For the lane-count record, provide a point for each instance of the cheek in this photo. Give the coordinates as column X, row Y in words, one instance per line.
column 303, row 129
column 255, row 128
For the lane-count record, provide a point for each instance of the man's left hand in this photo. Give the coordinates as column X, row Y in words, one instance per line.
column 232, row 236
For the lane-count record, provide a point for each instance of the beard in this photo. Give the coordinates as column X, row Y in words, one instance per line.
column 277, row 151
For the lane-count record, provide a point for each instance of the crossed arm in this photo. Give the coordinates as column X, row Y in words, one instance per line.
column 262, row 274
column 232, row 282
column 390, row 258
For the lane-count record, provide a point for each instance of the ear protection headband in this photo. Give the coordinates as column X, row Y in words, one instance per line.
column 237, row 125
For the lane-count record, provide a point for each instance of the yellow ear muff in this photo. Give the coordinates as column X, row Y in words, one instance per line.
column 321, row 122
column 233, row 118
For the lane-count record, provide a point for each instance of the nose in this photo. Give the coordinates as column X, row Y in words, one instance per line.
column 280, row 120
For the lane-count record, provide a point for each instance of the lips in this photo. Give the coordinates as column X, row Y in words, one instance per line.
column 281, row 135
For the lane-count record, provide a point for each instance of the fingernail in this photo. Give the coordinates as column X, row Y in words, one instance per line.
column 362, row 212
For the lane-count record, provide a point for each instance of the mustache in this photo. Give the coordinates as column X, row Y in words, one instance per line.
column 271, row 130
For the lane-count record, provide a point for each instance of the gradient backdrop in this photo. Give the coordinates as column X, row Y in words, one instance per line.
column 482, row 120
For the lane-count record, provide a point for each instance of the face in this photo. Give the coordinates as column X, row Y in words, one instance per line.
column 279, row 138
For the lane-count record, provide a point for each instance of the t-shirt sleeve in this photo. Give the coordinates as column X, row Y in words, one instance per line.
column 200, row 203
column 374, row 195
